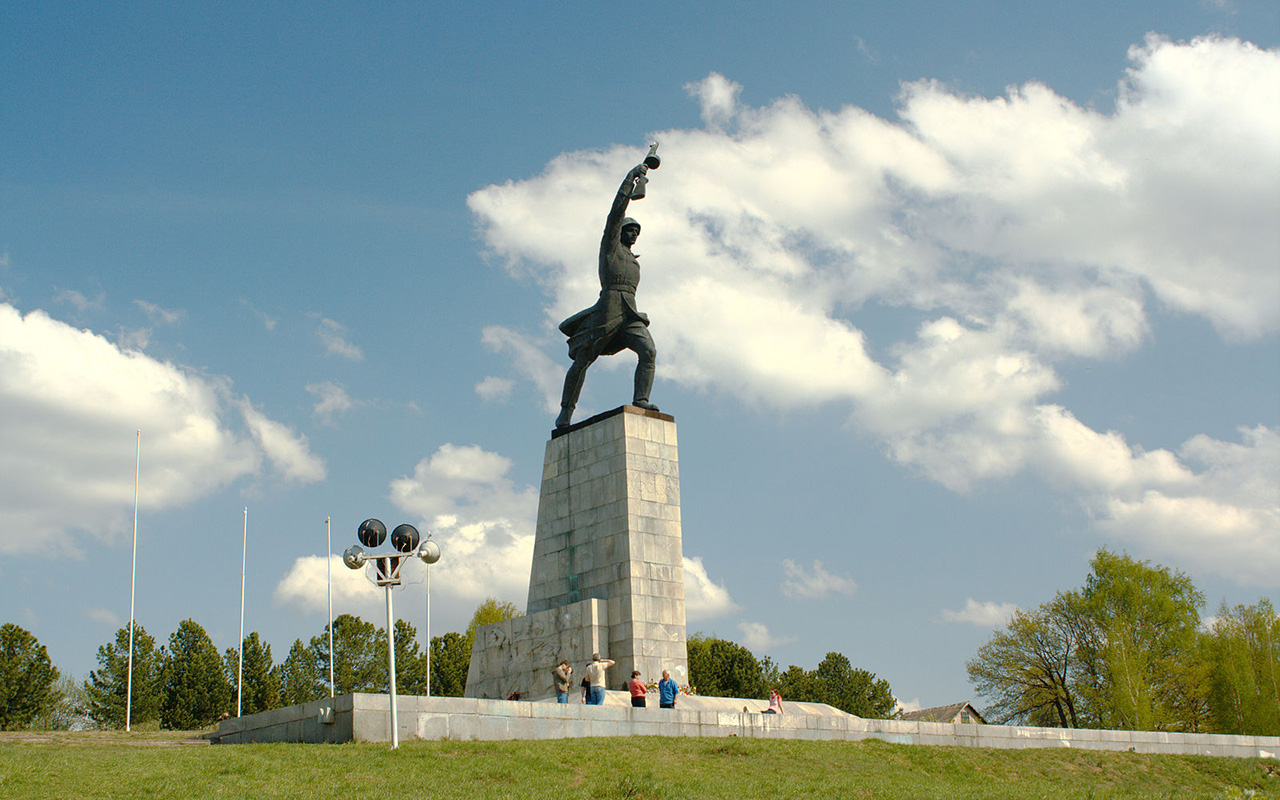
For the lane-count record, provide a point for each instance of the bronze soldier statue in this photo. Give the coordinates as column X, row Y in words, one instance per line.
column 614, row 323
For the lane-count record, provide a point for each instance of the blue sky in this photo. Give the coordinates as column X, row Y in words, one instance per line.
column 946, row 296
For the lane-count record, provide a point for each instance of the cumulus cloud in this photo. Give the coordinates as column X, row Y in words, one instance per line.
column 801, row 583
column 482, row 520
column 1016, row 232
column 71, row 403
column 306, row 587
column 1226, row 516
column 718, row 97
column 703, row 597
column 756, row 637
column 334, row 336
column 493, row 388
column 905, row 706
column 984, row 615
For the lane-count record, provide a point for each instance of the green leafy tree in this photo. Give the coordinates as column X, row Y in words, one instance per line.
column 1122, row 652
column 257, row 681
column 27, row 678
column 107, row 687
column 411, row 663
column 1029, row 670
column 856, row 691
column 1244, row 670
column 1140, row 647
column 799, row 685
column 196, row 692
column 720, row 668
column 450, row 660
column 487, row 613
column 359, row 656
column 302, row 677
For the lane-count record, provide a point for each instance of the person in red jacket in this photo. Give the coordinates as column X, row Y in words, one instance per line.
column 637, row 689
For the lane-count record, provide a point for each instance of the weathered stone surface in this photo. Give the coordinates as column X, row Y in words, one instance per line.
column 608, row 530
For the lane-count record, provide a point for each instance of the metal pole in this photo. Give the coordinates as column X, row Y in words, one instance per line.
column 391, row 669
column 244, row 549
column 328, row 560
column 133, row 576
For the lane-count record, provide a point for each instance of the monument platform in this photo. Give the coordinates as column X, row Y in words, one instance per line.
column 608, row 571
column 366, row 718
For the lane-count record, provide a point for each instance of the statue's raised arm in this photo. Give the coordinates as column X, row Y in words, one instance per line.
column 614, row 323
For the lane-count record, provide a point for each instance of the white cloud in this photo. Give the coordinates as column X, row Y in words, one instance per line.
column 333, row 335
column 287, row 451
column 756, row 637
column 704, row 598
column 79, row 301
column 1021, row 231
column 71, row 404
column 493, row 388
column 306, row 587
column 528, row 360
column 333, row 400
column 718, row 97
column 800, row 583
column 1225, row 517
column 134, row 338
column 984, row 615
column 905, row 706
column 482, row 521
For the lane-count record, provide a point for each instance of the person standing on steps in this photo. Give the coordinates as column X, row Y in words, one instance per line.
column 596, row 674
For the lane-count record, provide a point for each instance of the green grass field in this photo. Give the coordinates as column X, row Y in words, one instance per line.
column 116, row 765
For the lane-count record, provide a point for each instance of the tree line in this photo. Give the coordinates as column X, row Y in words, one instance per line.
column 187, row 684
column 721, row 668
column 1129, row 650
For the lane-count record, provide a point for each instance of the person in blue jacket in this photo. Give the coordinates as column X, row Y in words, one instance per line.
column 667, row 691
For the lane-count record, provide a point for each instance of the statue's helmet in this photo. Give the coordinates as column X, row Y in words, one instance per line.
column 628, row 222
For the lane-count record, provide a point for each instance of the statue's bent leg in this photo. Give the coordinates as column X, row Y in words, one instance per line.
column 642, row 343
column 573, row 380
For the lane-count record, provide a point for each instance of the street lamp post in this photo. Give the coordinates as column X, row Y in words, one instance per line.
column 372, row 533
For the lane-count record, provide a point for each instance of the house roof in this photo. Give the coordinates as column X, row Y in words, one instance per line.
column 942, row 713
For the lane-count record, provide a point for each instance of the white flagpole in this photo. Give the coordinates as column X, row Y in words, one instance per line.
column 244, row 549
column 328, row 560
column 428, row 630
column 133, row 575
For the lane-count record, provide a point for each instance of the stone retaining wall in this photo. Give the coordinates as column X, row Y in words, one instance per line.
column 366, row 718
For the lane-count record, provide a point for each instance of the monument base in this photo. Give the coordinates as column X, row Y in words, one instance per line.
column 608, row 570
column 512, row 660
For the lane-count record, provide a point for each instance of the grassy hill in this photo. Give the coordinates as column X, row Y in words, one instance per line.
column 115, row 765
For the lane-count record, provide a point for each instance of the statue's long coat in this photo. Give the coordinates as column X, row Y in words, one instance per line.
column 594, row 331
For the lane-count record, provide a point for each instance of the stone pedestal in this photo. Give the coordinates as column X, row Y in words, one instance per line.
column 609, row 532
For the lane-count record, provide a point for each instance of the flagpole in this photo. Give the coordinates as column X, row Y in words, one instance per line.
column 133, row 576
column 328, row 560
column 244, row 549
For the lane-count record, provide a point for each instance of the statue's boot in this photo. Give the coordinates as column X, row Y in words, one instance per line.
column 573, row 380
column 644, row 384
